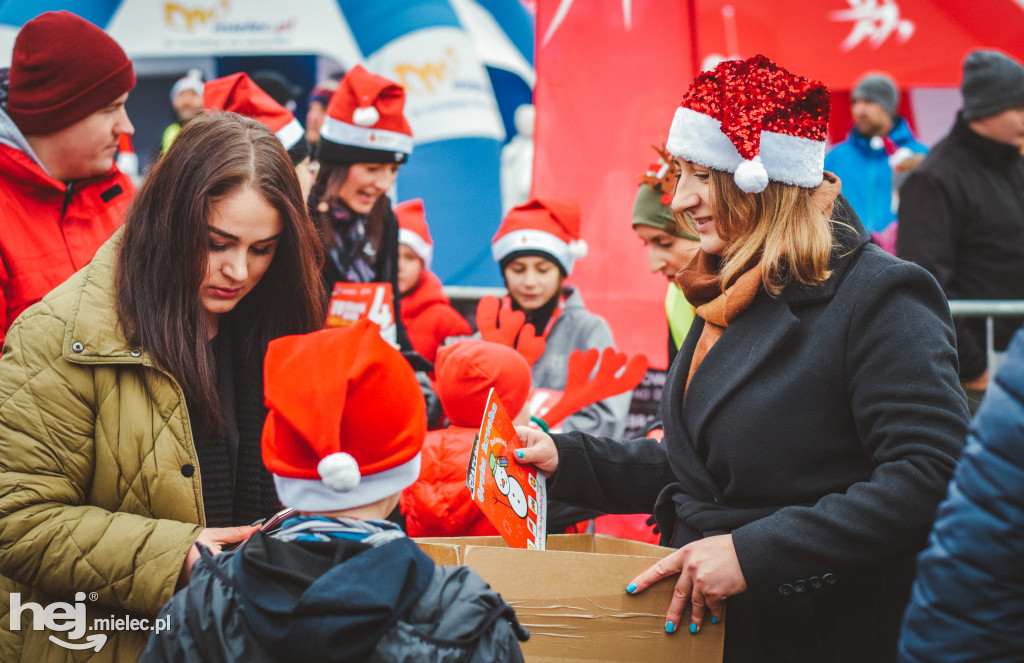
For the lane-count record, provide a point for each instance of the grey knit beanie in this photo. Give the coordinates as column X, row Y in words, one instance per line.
column 992, row 83
column 880, row 89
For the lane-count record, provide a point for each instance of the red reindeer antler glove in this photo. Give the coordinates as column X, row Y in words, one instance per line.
column 581, row 391
column 498, row 323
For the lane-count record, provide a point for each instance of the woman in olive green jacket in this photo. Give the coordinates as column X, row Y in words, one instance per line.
column 131, row 396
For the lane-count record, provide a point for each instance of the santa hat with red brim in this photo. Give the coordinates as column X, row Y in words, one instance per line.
column 756, row 120
column 346, row 418
column 365, row 121
column 240, row 94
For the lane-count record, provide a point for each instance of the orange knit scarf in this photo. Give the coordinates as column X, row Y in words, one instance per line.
column 699, row 282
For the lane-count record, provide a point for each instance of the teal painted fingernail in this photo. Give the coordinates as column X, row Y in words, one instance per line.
column 693, row 628
column 670, row 627
column 714, row 620
column 519, row 454
column 632, row 588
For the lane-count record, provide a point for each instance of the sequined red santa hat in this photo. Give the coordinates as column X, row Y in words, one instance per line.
column 365, row 121
column 548, row 226
column 413, row 230
column 756, row 120
column 240, row 94
column 346, row 418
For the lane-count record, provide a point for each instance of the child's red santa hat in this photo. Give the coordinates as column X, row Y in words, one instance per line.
column 413, row 230
column 240, row 94
column 756, row 120
column 346, row 418
column 466, row 372
column 548, row 227
column 365, row 121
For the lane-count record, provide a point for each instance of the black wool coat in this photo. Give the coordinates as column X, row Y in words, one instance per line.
column 821, row 431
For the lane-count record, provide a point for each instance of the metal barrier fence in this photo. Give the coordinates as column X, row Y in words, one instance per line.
column 990, row 309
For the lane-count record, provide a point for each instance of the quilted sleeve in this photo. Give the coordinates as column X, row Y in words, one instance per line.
column 50, row 538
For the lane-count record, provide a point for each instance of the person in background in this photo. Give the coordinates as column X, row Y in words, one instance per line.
column 426, row 311
column 876, row 156
column 536, row 247
column 671, row 243
column 61, row 118
column 142, row 378
column 187, row 102
column 962, row 210
column 438, row 504
column 968, row 599
column 239, row 94
column 815, row 390
column 364, row 140
column 319, row 97
column 277, row 85
column 337, row 581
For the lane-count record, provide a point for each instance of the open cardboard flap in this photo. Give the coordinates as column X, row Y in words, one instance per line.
column 572, row 598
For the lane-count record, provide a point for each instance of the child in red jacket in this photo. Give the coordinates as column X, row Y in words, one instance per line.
column 425, row 310
column 439, row 504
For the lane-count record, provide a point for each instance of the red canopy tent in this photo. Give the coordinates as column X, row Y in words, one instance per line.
column 610, row 74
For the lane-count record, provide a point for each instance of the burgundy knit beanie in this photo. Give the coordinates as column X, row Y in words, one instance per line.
column 63, row 69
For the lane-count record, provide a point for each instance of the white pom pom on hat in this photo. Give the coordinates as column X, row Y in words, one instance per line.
column 751, row 175
column 339, row 471
column 365, row 116
column 578, row 248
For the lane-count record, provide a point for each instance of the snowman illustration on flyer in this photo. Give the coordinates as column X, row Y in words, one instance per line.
column 512, row 496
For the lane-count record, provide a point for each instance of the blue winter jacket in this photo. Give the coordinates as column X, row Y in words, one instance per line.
column 968, row 598
column 867, row 175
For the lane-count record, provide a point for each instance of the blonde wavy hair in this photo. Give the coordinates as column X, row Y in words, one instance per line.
column 782, row 227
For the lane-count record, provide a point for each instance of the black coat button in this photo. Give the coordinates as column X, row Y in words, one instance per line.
column 830, row 578
column 815, row 582
column 800, row 586
column 187, row 470
column 787, row 590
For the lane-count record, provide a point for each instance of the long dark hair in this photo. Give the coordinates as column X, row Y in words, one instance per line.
column 165, row 244
column 328, row 182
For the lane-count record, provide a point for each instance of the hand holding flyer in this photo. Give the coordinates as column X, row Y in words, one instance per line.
column 512, row 496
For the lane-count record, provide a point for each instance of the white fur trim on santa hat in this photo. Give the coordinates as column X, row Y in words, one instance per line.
column 419, row 245
column 316, row 495
column 789, row 159
column 290, row 133
column 344, row 133
column 534, row 240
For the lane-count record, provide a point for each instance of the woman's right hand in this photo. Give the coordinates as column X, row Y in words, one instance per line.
column 540, row 450
column 213, row 539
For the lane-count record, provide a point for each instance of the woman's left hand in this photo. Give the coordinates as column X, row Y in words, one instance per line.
column 709, row 573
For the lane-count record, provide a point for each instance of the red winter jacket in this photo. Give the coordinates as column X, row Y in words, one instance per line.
column 439, row 504
column 49, row 230
column 429, row 318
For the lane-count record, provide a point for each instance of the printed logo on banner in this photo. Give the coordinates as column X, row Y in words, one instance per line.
column 70, row 617
column 448, row 92
column 874, row 20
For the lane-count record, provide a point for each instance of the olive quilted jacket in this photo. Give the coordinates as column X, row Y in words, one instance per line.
column 99, row 481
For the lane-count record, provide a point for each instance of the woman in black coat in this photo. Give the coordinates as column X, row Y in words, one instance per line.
column 813, row 415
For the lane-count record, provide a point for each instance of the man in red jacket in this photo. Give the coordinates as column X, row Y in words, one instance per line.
column 61, row 115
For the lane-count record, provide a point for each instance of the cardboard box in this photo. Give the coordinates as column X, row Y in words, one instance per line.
column 572, row 596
